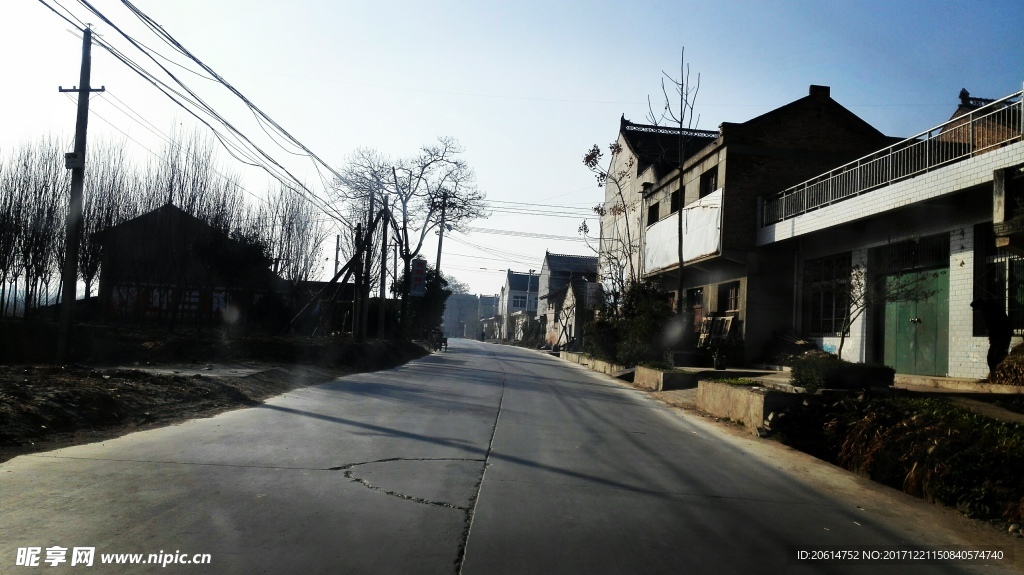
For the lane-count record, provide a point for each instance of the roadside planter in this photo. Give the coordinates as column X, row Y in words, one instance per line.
column 593, row 363
column 750, row 405
column 659, row 380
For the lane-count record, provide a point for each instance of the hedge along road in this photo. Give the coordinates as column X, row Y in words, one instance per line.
column 483, row 459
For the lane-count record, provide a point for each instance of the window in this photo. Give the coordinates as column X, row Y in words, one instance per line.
column 518, row 301
column 729, row 297
column 674, row 202
column 826, row 295
column 695, row 303
column 652, row 214
column 709, row 181
column 999, row 276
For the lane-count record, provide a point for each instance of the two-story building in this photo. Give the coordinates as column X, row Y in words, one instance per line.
column 910, row 234
column 557, row 274
column 707, row 211
column 518, row 297
column 642, row 155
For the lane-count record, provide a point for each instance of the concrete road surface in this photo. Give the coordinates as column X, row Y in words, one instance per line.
column 482, row 459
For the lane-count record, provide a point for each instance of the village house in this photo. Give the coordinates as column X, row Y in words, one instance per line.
column 461, row 316
column 574, row 305
column 641, row 156
column 169, row 265
column 932, row 223
column 518, row 295
column 558, row 273
column 714, row 198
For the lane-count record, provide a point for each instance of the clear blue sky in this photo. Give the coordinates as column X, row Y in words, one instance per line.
column 526, row 86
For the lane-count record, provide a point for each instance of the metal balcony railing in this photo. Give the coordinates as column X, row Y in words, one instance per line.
column 993, row 125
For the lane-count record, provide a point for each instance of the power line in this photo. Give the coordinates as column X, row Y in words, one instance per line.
column 275, row 169
column 195, row 100
column 504, row 254
column 530, row 235
column 167, row 139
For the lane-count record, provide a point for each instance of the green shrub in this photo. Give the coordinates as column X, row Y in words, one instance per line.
column 633, row 333
column 601, row 339
column 823, row 372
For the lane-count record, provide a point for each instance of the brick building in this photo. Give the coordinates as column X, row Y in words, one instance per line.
column 717, row 192
column 918, row 212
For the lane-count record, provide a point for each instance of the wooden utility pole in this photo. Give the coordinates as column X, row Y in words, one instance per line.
column 75, row 162
column 367, row 261
column 357, row 292
column 337, row 250
column 440, row 233
column 382, row 299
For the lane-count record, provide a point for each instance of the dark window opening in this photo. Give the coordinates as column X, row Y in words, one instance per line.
column 674, row 202
column 999, row 276
column 826, row 295
column 729, row 297
column 695, row 303
column 709, row 181
column 652, row 214
column 922, row 253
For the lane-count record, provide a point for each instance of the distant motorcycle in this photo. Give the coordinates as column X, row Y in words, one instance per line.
column 438, row 341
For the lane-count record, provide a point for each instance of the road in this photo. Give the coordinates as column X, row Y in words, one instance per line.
column 482, row 459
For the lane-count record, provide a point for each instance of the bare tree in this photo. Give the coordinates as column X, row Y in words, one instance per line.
column 11, row 229
column 681, row 116
column 861, row 291
column 110, row 181
column 364, row 182
column 618, row 247
column 39, row 183
column 296, row 235
column 435, row 183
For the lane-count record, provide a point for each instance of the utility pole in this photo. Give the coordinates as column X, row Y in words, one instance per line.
column 440, row 233
column 382, row 299
column 367, row 262
column 358, row 291
column 337, row 250
column 75, row 162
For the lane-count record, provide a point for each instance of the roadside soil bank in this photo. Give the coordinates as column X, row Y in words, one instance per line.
column 44, row 407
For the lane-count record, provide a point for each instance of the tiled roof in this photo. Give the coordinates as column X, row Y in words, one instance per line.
column 659, row 145
column 519, row 282
column 570, row 263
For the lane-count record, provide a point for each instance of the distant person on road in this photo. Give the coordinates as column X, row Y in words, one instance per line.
column 1000, row 330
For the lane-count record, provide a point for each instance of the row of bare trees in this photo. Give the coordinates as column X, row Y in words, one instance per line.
column 435, row 187
column 34, row 197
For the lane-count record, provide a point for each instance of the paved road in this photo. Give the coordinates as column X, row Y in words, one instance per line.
column 484, row 459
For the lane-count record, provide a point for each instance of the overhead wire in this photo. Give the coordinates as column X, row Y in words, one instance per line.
column 159, row 134
column 161, row 32
column 295, row 184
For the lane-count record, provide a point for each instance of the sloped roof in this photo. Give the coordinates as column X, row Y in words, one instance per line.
column 818, row 100
column 570, row 263
column 521, row 282
column 659, row 145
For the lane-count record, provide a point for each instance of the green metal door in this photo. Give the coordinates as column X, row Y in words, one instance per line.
column 917, row 328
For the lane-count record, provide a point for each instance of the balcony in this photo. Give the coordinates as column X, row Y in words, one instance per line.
column 995, row 125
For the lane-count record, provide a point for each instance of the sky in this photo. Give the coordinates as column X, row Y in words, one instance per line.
column 526, row 87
